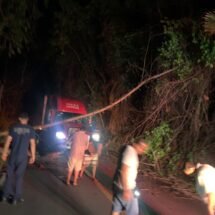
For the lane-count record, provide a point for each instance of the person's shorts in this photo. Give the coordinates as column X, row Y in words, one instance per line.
column 119, row 204
column 90, row 160
column 75, row 164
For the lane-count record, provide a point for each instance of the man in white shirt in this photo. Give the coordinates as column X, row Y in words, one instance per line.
column 125, row 179
column 205, row 183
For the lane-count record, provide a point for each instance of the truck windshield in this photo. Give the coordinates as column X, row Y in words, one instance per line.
column 60, row 116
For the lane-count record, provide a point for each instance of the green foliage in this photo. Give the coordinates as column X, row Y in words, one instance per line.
column 172, row 52
column 173, row 161
column 185, row 47
column 159, row 139
column 207, row 48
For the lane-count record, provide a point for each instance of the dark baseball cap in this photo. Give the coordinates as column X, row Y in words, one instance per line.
column 23, row 115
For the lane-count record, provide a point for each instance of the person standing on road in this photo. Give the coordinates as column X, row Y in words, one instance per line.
column 92, row 158
column 205, row 183
column 19, row 137
column 124, row 182
column 79, row 144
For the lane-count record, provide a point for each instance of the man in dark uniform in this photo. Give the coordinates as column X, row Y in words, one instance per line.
column 19, row 137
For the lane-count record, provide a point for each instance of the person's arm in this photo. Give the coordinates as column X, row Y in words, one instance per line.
column 127, row 193
column 6, row 148
column 99, row 149
column 32, row 151
column 211, row 203
column 87, row 142
column 87, row 145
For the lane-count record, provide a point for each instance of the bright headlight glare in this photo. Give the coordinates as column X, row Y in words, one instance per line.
column 96, row 137
column 60, row 135
column 136, row 193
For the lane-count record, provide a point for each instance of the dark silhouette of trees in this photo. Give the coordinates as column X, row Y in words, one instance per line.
column 98, row 51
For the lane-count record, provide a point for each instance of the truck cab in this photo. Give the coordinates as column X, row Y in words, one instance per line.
column 58, row 137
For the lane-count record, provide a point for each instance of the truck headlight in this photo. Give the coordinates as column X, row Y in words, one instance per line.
column 60, row 135
column 96, row 136
column 136, row 193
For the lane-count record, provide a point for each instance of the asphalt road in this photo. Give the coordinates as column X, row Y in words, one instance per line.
column 45, row 193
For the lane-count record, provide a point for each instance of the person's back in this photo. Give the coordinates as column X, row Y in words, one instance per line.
column 21, row 135
column 119, row 165
column 79, row 143
column 130, row 159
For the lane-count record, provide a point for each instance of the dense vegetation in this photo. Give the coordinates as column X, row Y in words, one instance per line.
column 98, row 51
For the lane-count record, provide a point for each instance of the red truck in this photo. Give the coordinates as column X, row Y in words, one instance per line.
column 58, row 137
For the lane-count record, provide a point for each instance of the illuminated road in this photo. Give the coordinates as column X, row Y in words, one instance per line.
column 44, row 194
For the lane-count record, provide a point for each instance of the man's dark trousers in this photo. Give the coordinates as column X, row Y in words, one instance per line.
column 14, row 182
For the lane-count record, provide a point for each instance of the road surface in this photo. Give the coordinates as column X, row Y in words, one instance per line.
column 45, row 193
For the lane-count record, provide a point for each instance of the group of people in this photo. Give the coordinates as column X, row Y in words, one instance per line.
column 84, row 153
column 125, row 180
column 20, row 149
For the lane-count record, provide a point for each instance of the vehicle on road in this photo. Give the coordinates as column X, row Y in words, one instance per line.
column 58, row 138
